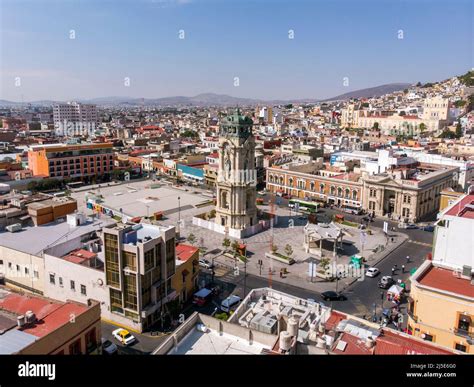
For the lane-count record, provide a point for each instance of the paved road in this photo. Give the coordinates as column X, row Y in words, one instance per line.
column 144, row 345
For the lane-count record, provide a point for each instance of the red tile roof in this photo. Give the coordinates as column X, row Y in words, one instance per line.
column 334, row 319
column 50, row 314
column 79, row 256
column 460, row 208
column 354, row 346
column 444, row 279
column 392, row 343
column 184, row 252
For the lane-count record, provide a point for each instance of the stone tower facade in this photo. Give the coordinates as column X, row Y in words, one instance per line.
column 236, row 179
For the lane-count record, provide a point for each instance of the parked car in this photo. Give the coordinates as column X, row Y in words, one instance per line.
column 407, row 226
column 332, row 296
column 230, row 302
column 124, row 336
column 205, row 263
column 428, row 228
column 109, row 348
column 202, row 296
column 372, row 272
column 385, row 282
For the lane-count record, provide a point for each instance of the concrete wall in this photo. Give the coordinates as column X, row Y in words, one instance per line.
column 92, row 279
column 453, row 244
column 20, row 279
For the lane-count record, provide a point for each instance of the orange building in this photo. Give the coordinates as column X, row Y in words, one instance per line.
column 64, row 160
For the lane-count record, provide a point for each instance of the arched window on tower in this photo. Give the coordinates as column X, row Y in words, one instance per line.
column 224, row 200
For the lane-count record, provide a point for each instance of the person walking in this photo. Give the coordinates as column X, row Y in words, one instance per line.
column 403, row 268
column 408, row 258
column 393, row 270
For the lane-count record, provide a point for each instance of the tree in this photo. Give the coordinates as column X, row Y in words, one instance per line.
column 288, row 251
column 458, row 132
column 191, row 238
column 274, row 249
column 235, row 246
column 376, row 126
column 422, row 127
column 324, row 263
column 226, row 243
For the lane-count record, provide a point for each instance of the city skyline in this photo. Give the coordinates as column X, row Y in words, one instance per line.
column 249, row 49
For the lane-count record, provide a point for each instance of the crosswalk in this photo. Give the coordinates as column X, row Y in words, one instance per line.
column 420, row 243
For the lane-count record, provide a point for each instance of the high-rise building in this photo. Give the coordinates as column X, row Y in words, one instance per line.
column 236, row 180
column 139, row 266
column 75, row 112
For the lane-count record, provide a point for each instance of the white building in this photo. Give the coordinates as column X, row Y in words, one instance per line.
column 453, row 246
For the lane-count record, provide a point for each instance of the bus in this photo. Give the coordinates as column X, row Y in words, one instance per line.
column 303, row 205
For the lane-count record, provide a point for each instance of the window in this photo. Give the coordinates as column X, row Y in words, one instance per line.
column 36, row 274
column 372, row 193
column 405, row 212
column 460, row 347
column 111, row 260
column 17, row 267
column 170, row 257
column 427, row 337
column 406, row 199
column 130, row 289
column 83, row 290
column 27, row 271
column 321, row 188
column 52, row 279
column 130, row 260
column 115, row 300
column 10, row 265
column 73, row 286
column 464, row 323
column 372, row 205
column 75, row 348
column 61, row 281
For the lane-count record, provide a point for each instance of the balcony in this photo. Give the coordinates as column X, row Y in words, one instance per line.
column 469, row 336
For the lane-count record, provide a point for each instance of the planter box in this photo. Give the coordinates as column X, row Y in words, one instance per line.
column 288, row 261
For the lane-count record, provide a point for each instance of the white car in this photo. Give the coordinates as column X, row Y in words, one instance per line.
column 124, row 336
column 229, row 302
column 205, row 263
column 372, row 272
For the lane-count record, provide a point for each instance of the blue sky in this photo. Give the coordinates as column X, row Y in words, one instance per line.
column 224, row 39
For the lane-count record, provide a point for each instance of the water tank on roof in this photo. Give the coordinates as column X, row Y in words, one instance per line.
column 21, row 320
column 293, row 325
column 285, row 341
column 30, row 317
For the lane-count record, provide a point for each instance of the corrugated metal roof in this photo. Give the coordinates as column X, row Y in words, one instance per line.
column 14, row 341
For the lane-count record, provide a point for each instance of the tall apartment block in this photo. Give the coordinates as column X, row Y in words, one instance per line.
column 71, row 161
column 75, row 112
column 139, row 267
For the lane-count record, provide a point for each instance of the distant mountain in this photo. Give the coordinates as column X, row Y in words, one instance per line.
column 212, row 99
column 376, row 91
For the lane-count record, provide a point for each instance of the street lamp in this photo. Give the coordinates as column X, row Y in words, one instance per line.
column 374, row 318
column 179, row 213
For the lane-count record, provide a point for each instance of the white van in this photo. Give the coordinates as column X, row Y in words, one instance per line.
column 230, row 302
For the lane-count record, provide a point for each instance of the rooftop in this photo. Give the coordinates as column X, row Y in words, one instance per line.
column 50, row 315
column 463, row 208
column 395, row 343
column 212, row 343
column 445, row 279
column 184, row 252
column 48, row 235
column 145, row 199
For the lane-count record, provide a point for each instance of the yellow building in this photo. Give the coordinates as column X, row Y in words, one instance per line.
column 442, row 306
column 448, row 197
column 187, row 271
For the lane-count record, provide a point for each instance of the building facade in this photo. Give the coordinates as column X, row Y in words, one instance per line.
column 407, row 194
column 71, row 161
column 139, row 266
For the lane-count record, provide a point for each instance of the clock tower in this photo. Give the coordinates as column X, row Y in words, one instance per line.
column 236, row 178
